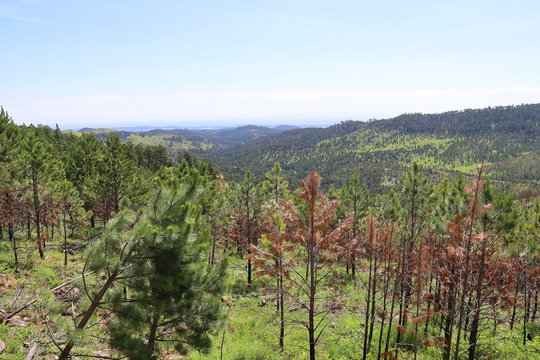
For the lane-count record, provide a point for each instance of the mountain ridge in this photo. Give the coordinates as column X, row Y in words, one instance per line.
column 451, row 142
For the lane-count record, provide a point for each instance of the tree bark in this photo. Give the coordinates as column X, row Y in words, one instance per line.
column 89, row 312
column 152, row 336
column 12, row 239
column 65, row 241
column 37, row 213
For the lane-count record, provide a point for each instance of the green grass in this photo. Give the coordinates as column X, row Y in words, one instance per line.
column 34, row 279
column 249, row 328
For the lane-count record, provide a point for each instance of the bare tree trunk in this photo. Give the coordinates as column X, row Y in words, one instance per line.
column 37, row 214
column 12, row 239
column 89, row 312
column 535, row 307
column 526, row 309
column 397, row 283
column 65, row 241
column 513, row 317
column 311, row 324
column 249, row 271
column 365, row 349
column 384, row 301
column 281, row 314
column 373, row 303
column 312, row 289
column 473, row 339
column 29, row 227
column 449, row 324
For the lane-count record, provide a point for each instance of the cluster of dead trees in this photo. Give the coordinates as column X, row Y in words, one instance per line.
column 436, row 265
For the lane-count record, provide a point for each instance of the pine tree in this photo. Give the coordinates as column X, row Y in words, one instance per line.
column 354, row 203
column 416, row 199
column 116, row 176
column 38, row 166
column 159, row 255
column 9, row 148
column 248, row 222
column 71, row 208
column 172, row 295
column 275, row 186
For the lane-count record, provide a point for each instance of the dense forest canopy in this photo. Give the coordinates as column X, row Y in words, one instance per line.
column 113, row 249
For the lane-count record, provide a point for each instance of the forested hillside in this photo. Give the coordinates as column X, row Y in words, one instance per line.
column 456, row 141
column 111, row 250
column 192, row 140
column 446, row 144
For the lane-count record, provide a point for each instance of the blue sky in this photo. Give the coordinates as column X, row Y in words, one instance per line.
column 203, row 62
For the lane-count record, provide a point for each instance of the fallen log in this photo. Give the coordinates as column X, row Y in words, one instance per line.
column 32, row 351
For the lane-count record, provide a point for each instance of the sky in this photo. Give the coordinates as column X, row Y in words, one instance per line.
column 105, row 63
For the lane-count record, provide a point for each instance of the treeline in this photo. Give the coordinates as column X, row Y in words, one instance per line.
column 54, row 182
column 513, row 119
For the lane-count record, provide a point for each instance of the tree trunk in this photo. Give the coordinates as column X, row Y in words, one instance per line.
column 513, row 317
column 249, row 271
column 14, row 242
column 29, row 227
column 535, row 307
column 152, row 336
column 65, row 241
column 312, row 290
column 37, row 214
column 397, row 283
column 368, row 307
column 281, row 314
column 473, row 339
column 373, row 301
column 449, row 324
column 383, row 318
column 89, row 312
column 526, row 310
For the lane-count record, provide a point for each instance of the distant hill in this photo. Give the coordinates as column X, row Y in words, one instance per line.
column 193, row 139
column 444, row 144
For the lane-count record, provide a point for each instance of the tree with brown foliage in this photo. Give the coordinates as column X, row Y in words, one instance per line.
column 317, row 242
column 247, row 220
column 11, row 211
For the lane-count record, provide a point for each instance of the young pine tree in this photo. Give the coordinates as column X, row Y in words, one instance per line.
column 159, row 256
column 247, row 220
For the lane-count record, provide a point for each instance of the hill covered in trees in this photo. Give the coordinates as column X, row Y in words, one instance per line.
column 192, row 140
column 508, row 138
